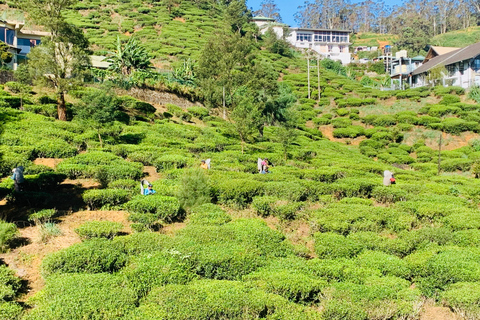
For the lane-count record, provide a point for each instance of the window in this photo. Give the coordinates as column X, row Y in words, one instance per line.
column 304, row 37
column 341, row 48
column 10, row 36
column 476, row 64
column 2, row 34
column 451, row 69
column 322, row 36
column 23, row 42
column 330, row 48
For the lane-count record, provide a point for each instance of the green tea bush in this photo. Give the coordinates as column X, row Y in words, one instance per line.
column 463, row 297
column 99, row 229
column 390, row 194
column 441, row 110
column 150, row 270
column 124, row 184
column 162, row 207
column 342, row 112
column 448, row 267
column 194, row 188
column 456, row 126
column 8, row 232
column 351, row 187
column 170, row 161
column 96, row 199
column 329, row 174
column 348, row 132
column 237, row 192
column 175, row 110
column 45, row 181
column 287, row 211
column 332, row 246
column 264, row 206
column 92, row 256
column 130, row 103
column 208, row 214
column 293, row 191
column 387, row 264
column 76, row 296
column 452, row 165
column 426, row 120
column 355, row 200
column 341, row 122
column 198, row 112
column 294, row 286
column 442, row 91
column 212, row 299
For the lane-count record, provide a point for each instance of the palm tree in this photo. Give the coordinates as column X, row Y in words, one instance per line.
column 129, row 57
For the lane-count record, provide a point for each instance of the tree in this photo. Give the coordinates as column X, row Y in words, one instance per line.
column 99, row 110
column 5, row 55
column 61, row 59
column 129, row 57
column 245, row 117
column 269, row 9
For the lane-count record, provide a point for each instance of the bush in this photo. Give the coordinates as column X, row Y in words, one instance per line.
column 388, row 194
column 264, row 205
column 203, row 300
column 198, row 112
column 348, row 132
column 208, row 214
column 92, row 256
column 8, row 232
column 464, row 298
column 162, row 207
column 81, row 296
column 170, row 161
column 99, row 229
column 332, row 246
column 452, row 165
column 456, row 126
column 341, row 122
column 194, row 189
column 237, row 192
column 96, row 199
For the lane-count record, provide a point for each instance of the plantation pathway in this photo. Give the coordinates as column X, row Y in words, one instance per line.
column 327, row 132
column 26, row 259
column 432, row 312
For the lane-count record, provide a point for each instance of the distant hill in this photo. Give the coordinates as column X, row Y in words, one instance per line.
column 171, row 32
column 460, row 38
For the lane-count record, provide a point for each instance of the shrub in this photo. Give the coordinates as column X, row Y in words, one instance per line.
column 162, row 207
column 287, row 211
column 42, row 216
column 198, row 112
column 452, row 165
column 96, row 199
column 348, row 132
column 194, row 188
column 342, row 112
column 92, row 256
column 175, row 110
column 449, row 99
column 80, row 296
column 341, row 122
column 463, row 297
column 99, row 229
column 203, row 300
column 170, row 161
column 208, row 214
column 456, row 126
column 264, row 205
column 294, row 286
column 384, row 194
column 237, row 192
column 8, row 232
column 332, row 246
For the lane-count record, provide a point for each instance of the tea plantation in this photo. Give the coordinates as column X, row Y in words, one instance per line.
column 368, row 252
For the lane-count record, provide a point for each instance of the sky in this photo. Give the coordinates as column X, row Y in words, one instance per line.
column 288, row 8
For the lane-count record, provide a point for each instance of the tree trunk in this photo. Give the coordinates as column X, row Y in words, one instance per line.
column 61, row 108
column 100, row 139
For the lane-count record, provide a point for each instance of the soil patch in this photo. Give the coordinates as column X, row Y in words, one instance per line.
column 432, row 312
column 49, row 162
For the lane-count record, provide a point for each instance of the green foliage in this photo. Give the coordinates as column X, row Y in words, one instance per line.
column 93, row 256
column 208, row 214
column 99, row 229
column 96, row 199
column 72, row 296
column 333, row 246
column 236, row 192
column 8, row 232
column 162, row 207
column 194, row 189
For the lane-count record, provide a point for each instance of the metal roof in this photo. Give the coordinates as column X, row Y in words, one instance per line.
column 449, row 58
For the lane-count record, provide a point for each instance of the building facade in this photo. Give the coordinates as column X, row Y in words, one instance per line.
column 459, row 67
column 19, row 39
column 329, row 43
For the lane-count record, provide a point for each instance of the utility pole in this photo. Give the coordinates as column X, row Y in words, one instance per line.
column 308, row 73
column 439, row 150
column 223, row 102
column 318, row 76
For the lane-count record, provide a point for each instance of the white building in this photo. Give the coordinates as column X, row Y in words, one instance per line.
column 19, row 40
column 460, row 67
column 330, row 43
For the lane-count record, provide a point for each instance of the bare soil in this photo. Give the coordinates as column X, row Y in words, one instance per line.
column 432, row 312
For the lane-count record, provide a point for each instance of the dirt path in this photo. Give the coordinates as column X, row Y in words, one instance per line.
column 432, row 312
column 26, row 259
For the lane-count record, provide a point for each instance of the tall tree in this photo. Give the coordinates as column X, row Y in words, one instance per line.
column 269, row 9
column 62, row 57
